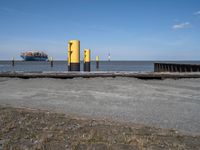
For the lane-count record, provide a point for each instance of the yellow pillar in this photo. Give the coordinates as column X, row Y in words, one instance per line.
column 87, row 60
column 74, row 55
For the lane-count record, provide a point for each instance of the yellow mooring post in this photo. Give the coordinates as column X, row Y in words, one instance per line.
column 86, row 64
column 97, row 62
column 74, row 55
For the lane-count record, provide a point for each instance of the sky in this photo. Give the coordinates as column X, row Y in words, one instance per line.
column 127, row 29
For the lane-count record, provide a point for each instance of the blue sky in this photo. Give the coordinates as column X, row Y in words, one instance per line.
column 128, row 29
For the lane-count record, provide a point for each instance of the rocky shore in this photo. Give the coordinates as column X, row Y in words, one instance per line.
column 23, row 128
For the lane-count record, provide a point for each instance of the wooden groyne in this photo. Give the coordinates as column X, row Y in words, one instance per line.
column 69, row 75
column 169, row 67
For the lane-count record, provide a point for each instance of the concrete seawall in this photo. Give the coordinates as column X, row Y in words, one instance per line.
column 69, row 75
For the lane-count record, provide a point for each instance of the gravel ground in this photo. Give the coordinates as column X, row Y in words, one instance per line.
column 160, row 103
column 28, row 129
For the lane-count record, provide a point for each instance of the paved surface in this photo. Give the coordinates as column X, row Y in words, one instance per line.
column 161, row 103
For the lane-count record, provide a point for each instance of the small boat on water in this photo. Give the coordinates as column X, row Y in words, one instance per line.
column 34, row 56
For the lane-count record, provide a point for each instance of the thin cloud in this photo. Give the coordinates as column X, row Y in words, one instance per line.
column 184, row 25
column 6, row 9
column 197, row 13
column 18, row 12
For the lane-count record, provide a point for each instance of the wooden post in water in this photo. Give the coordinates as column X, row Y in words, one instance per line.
column 155, row 67
column 172, row 68
column 51, row 60
column 97, row 62
column 13, row 62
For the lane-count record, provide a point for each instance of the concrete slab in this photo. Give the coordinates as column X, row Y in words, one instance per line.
column 161, row 103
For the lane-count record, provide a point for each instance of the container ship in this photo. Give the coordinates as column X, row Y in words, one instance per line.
column 34, row 56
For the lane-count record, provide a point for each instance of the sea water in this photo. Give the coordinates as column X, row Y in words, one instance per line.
column 61, row 66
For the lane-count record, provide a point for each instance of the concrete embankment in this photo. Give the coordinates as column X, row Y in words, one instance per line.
column 68, row 75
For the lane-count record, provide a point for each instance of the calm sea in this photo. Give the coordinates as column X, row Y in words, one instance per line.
column 59, row 66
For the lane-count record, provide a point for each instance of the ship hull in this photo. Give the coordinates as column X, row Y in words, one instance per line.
column 31, row 58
